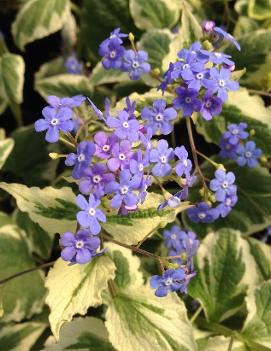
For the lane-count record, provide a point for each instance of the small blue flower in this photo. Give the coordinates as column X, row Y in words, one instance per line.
column 121, row 155
column 79, row 248
column 125, row 128
column 184, row 165
column 135, row 63
column 202, row 213
column 211, row 106
column 173, row 238
column 224, row 35
column 227, row 150
column 66, row 103
column 54, row 121
column 159, row 117
column 73, row 66
column 112, row 53
column 171, row 280
column 226, row 206
column 161, row 157
column 90, row 215
column 80, row 160
column 235, row 133
column 104, row 144
column 248, row 154
column 138, row 163
column 187, row 101
column 223, row 184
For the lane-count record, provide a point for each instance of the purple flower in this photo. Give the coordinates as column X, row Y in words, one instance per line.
column 194, row 77
column 90, row 215
column 211, row 106
column 125, row 128
column 104, row 144
column 123, row 190
column 184, row 165
column 79, row 248
column 224, row 35
column 146, row 181
column 161, row 157
column 54, row 121
column 115, row 34
column 194, row 54
column 171, row 280
column 138, row 163
column 190, row 244
column 130, row 108
column 235, row 133
column 73, row 66
column 187, row 100
column 81, row 159
column 135, row 63
column 226, row 206
column 121, row 155
column 95, row 179
column 173, row 238
column 227, row 150
column 202, row 213
column 248, row 154
column 220, row 82
column 219, row 58
column 223, row 184
column 167, row 77
column 112, row 53
column 159, row 117
column 66, row 103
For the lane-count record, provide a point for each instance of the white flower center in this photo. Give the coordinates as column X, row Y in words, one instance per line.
column 159, row 117
column 208, row 103
column 185, row 163
column 185, row 66
column 235, row 131
column 248, row 154
column 54, row 122
column 79, row 244
column 81, row 158
column 188, row 100
column 173, row 236
column 92, row 211
column 135, row 64
column 225, row 184
column 122, row 157
column 124, row 190
column 218, row 54
column 201, row 215
column 140, row 167
column 106, row 148
column 125, row 125
column 168, row 281
column 112, row 54
column 163, row 159
column 199, row 76
column 221, row 82
column 228, row 202
column 96, row 179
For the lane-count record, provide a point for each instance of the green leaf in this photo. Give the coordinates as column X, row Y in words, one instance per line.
column 259, row 9
column 100, row 76
column 98, row 19
column 39, row 240
column 87, row 333
column 74, row 288
column 254, row 56
column 53, row 209
column 221, row 343
column 23, row 296
column 190, row 29
column 241, row 107
column 31, row 168
column 257, row 326
column 149, row 14
column 252, row 213
column 138, row 320
column 136, row 226
column 6, row 147
column 20, row 336
column 127, row 266
column 262, row 256
column 63, row 85
column 245, row 25
column 156, row 42
column 225, row 270
column 38, row 18
column 12, row 69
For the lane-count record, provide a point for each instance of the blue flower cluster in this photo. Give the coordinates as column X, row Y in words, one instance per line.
column 233, row 146
column 185, row 245
column 203, row 80
column 135, row 62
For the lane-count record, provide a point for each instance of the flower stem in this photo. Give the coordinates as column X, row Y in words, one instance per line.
column 259, row 92
column 112, row 288
column 196, row 314
column 67, row 143
column 216, row 165
column 230, row 344
column 16, row 275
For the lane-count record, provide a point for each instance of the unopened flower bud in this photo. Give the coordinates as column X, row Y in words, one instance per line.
column 252, row 132
column 54, row 155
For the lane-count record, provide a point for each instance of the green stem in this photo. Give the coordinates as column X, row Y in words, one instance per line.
column 230, row 344
column 216, row 165
column 196, row 314
column 112, row 288
column 67, row 143
column 259, row 92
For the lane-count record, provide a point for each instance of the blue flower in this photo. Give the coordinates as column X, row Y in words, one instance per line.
column 80, row 160
column 211, row 106
column 171, row 280
column 173, row 238
column 135, row 63
column 202, row 213
column 121, row 155
column 116, row 35
column 112, row 53
column 187, row 100
column 184, row 165
column 227, row 150
column 66, row 103
column 72, row 65
column 123, row 190
column 235, row 133
column 138, row 163
column 161, row 157
column 223, row 184
column 219, row 81
column 104, row 144
column 125, row 128
column 90, row 215
column 159, row 117
column 79, row 248
column 224, row 35
column 248, row 154
column 226, row 206
column 54, row 121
